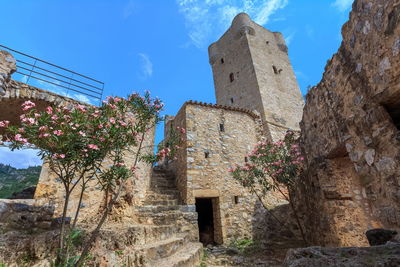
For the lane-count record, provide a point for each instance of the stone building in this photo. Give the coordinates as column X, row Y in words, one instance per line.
column 251, row 70
column 350, row 132
column 257, row 97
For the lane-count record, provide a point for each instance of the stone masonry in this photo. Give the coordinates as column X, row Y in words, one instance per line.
column 147, row 226
column 257, row 97
column 350, row 132
column 251, row 70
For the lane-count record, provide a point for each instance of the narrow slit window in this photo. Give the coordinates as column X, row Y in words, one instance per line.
column 222, row 127
column 246, row 159
column 267, row 42
column 231, row 100
column 275, row 70
column 231, row 77
column 236, row 199
column 222, row 61
column 207, row 154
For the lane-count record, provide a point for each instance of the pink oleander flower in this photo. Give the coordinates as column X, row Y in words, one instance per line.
column 58, row 132
column 119, row 164
column 183, row 131
column 81, row 108
column 49, row 110
column 82, row 133
column 30, row 121
column 4, row 124
column 92, row 146
column 44, row 135
column 43, row 128
column 112, row 120
column 28, row 105
column 58, row 156
column 19, row 138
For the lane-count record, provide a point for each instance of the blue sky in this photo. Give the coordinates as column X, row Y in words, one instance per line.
column 161, row 45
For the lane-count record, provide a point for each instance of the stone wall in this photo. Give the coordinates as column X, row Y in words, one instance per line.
column 350, row 132
column 27, row 215
column 217, row 138
column 49, row 188
column 252, row 70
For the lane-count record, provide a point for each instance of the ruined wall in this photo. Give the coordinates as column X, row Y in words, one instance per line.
column 252, row 70
column 49, row 188
column 350, row 132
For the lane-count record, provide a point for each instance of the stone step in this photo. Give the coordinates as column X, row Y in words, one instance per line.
column 166, row 191
column 187, row 256
column 161, row 188
column 158, row 196
column 165, row 218
column 162, row 184
column 162, row 208
column 168, row 202
column 138, row 235
column 164, row 248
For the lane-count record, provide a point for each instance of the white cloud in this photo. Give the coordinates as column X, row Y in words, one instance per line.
column 129, row 9
column 342, row 5
column 289, row 37
column 206, row 20
column 146, row 66
column 63, row 91
column 82, row 98
column 19, row 158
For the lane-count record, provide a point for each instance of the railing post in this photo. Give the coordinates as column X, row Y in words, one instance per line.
column 30, row 73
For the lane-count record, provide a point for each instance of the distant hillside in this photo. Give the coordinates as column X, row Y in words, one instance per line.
column 15, row 180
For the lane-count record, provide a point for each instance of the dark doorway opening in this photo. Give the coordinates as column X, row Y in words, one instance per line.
column 204, row 208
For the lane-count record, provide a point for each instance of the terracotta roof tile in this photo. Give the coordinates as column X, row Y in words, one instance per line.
column 231, row 108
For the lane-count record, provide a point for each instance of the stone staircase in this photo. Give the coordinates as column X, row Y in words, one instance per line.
column 169, row 236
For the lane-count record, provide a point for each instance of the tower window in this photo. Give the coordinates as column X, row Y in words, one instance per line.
column 246, row 159
column 267, row 42
column 275, row 69
column 236, row 199
column 231, row 100
column 206, row 154
column 222, row 61
column 231, row 77
column 222, row 127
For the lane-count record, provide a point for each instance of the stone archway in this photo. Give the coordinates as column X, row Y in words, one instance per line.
column 12, row 94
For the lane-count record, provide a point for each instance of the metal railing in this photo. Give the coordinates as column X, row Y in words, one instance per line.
column 48, row 76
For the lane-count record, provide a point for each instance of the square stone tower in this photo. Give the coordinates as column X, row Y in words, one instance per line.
column 252, row 70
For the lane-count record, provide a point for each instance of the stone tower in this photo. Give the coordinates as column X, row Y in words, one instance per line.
column 251, row 70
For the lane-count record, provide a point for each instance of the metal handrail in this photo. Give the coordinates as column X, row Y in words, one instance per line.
column 59, row 74
column 77, row 82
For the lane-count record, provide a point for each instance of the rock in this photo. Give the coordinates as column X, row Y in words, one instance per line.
column 26, row 193
column 58, row 220
column 386, row 255
column 379, row 236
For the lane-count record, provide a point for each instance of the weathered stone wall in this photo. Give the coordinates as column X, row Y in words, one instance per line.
column 350, row 132
column 201, row 177
column 251, row 69
column 49, row 188
column 25, row 215
column 7, row 67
